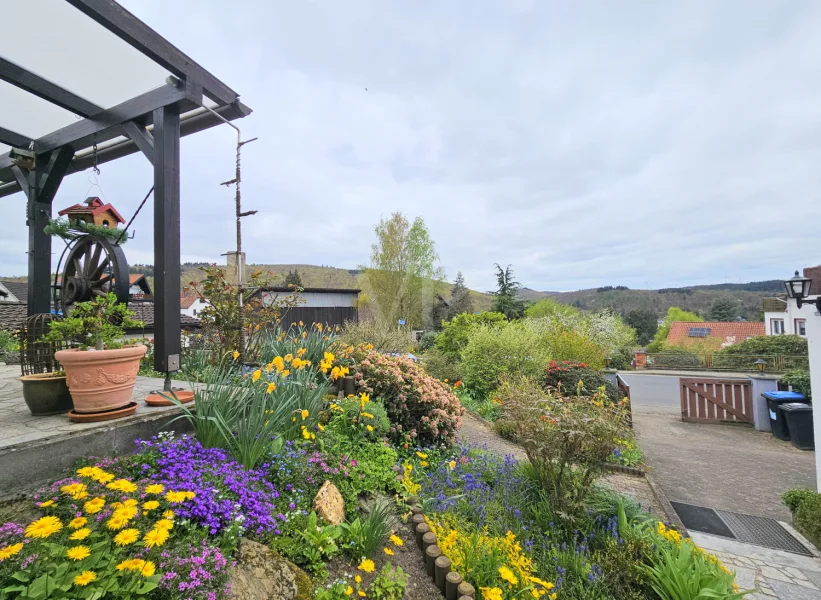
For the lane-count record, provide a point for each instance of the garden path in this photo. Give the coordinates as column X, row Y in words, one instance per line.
column 476, row 433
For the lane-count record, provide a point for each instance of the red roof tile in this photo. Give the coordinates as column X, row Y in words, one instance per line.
column 720, row 334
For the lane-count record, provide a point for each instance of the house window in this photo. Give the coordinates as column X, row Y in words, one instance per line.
column 801, row 326
column 776, row 326
column 195, row 312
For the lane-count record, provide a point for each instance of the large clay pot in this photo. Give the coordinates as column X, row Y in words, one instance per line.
column 46, row 394
column 101, row 380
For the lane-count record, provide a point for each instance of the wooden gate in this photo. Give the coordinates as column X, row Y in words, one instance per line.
column 716, row 400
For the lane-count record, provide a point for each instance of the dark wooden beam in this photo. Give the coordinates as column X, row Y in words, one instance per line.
column 43, row 88
column 14, row 139
column 141, row 137
column 50, row 175
column 167, row 239
column 188, row 125
column 106, row 125
column 129, row 28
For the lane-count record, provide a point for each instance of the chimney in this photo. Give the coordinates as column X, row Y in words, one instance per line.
column 231, row 269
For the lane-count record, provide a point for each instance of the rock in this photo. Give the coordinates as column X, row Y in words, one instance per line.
column 329, row 504
column 262, row 574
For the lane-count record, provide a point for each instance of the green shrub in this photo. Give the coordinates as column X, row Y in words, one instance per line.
column 427, row 341
column 799, row 380
column 441, row 366
column 786, row 345
column 674, row 357
column 389, row 584
column 355, row 422
column 505, row 428
column 422, row 410
column 384, row 337
column 805, row 506
column 493, row 352
column 456, row 333
column 565, row 376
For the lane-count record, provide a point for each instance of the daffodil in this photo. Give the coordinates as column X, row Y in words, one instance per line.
column 235, row 355
column 257, row 374
column 271, row 387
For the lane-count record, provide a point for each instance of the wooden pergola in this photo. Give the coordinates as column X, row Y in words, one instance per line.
column 151, row 123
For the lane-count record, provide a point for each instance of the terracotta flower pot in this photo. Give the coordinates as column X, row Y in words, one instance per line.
column 46, row 394
column 101, row 380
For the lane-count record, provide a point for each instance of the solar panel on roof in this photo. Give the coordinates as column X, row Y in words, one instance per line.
column 698, row 332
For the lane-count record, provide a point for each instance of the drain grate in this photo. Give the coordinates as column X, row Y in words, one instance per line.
column 762, row 532
column 759, row 531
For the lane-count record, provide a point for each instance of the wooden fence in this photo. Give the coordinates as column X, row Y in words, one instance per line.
column 716, row 400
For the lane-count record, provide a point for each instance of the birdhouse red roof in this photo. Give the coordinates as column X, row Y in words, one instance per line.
column 93, row 206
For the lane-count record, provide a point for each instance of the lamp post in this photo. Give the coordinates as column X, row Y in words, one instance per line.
column 607, row 362
column 798, row 289
column 760, row 364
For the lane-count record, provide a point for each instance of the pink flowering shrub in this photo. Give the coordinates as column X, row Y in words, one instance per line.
column 422, row 410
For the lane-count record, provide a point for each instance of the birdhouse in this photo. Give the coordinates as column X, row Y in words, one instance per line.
column 93, row 211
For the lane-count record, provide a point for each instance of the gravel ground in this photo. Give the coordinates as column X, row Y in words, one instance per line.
column 409, row 557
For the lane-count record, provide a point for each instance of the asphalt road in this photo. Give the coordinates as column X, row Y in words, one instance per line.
column 653, row 390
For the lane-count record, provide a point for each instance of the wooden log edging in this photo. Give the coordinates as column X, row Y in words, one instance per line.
column 437, row 565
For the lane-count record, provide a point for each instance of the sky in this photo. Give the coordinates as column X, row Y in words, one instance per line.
column 585, row 143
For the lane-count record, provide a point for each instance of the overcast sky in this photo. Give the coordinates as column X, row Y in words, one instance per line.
column 585, row 143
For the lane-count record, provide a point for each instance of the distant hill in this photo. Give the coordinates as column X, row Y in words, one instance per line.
column 695, row 298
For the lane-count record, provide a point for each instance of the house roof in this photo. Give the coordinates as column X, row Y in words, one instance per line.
column 814, row 273
column 18, row 289
column 289, row 290
column 680, row 333
column 12, row 316
column 773, row 305
column 94, row 206
column 144, row 311
column 187, row 300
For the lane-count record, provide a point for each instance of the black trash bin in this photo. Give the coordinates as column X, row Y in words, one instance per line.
column 799, row 422
column 778, row 424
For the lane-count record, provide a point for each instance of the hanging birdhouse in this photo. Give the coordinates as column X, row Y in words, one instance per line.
column 94, row 212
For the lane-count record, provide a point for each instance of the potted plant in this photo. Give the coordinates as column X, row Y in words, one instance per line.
column 100, row 373
column 46, row 393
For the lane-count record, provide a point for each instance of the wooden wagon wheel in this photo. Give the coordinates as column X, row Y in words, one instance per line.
column 94, row 267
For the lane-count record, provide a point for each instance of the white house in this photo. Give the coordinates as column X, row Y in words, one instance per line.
column 782, row 317
column 192, row 305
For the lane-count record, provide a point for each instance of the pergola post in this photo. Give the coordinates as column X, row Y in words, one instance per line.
column 40, row 186
column 167, row 239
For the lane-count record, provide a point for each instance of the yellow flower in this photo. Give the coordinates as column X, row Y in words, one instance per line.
column 366, row 565
column 279, row 363
column 125, row 512
column 358, row 578
column 360, row 593
column 271, row 387
column 257, row 374
column 150, row 505
column 155, row 488
column 367, row 415
column 43, row 527
column 133, row 564
column 94, row 505
column 77, row 523
column 104, row 477
column 491, row 593
column 423, row 463
column 166, row 524
column 305, row 433
column 397, row 541
column 123, row 485
column 348, row 591
column 369, row 428
column 452, row 464
column 155, row 537
column 78, row 552
column 320, row 426
column 506, row 574
column 127, row 536
column 301, row 352
column 422, row 455
column 85, row 578
column 235, row 355
column 10, row 551
column 131, row 503
column 169, row 514
column 444, row 381
column 80, row 534
column 363, row 400
column 286, row 372
column 88, row 471
column 46, row 504
column 77, row 491
column 289, row 357
column 115, row 523
column 175, row 497
column 388, row 551
column 148, row 569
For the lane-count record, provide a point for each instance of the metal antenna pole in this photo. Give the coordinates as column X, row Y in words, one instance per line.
column 239, row 214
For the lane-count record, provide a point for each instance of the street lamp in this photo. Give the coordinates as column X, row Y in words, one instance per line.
column 799, row 288
column 607, row 362
column 760, row 364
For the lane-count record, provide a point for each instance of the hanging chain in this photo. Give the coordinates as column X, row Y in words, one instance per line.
column 94, row 150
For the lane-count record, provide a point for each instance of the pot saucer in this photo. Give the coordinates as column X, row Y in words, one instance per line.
column 126, row 411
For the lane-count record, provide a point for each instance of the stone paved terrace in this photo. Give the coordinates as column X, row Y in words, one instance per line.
column 33, row 449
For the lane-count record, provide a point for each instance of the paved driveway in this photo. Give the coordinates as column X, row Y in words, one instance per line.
column 730, row 467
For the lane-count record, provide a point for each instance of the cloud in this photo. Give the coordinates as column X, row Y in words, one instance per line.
column 585, row 144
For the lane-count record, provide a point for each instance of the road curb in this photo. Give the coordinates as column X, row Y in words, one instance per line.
column 664, row 502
